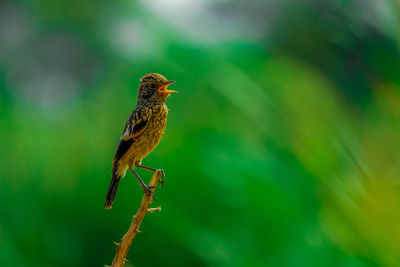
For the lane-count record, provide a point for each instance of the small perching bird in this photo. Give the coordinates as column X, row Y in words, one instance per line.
column 142, row 133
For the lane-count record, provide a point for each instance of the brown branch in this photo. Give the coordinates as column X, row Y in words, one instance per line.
column 126, row 240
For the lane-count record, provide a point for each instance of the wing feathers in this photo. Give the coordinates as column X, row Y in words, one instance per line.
column 122, row 148
column 136, row 124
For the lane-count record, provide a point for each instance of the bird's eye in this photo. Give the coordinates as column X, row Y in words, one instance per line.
column 153, row 86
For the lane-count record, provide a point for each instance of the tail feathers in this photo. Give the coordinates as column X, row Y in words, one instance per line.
column 112, row 189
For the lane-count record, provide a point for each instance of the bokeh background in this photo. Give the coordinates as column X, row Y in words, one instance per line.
column 282, row 148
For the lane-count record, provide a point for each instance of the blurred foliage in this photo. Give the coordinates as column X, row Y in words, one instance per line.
column 281, row 149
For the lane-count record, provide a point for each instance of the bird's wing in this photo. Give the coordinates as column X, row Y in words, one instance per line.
column 136, row 124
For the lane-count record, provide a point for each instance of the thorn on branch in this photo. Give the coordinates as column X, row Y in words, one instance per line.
column 151, row 210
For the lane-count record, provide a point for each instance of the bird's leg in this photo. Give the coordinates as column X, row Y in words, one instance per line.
column 161, row 180
column 146, row 188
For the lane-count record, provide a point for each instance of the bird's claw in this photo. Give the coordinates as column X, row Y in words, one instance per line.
column 149, row 192
column 162, row 177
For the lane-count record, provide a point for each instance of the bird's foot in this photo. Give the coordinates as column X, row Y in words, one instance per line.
column 162, row 177
column 147, row 190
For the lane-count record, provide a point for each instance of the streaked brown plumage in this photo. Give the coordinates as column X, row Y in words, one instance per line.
column 143, row 131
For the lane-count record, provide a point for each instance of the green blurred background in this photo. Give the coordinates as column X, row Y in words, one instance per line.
column 282, row 148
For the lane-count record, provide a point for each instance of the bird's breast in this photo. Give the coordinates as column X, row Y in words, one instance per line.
column 153, row 133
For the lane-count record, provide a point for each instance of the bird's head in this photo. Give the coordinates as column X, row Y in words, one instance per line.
column 153, row 87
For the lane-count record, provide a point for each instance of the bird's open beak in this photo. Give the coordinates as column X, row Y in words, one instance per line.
column 163, row 89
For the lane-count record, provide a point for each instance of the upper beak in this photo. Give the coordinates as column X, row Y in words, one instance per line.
column 163, row 89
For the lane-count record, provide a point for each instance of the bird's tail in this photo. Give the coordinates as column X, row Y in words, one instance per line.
column 112, row 189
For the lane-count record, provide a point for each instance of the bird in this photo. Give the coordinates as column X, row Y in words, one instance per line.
column 142, row 133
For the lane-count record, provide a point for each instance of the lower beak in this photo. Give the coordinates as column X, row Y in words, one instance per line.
column 163, row 89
